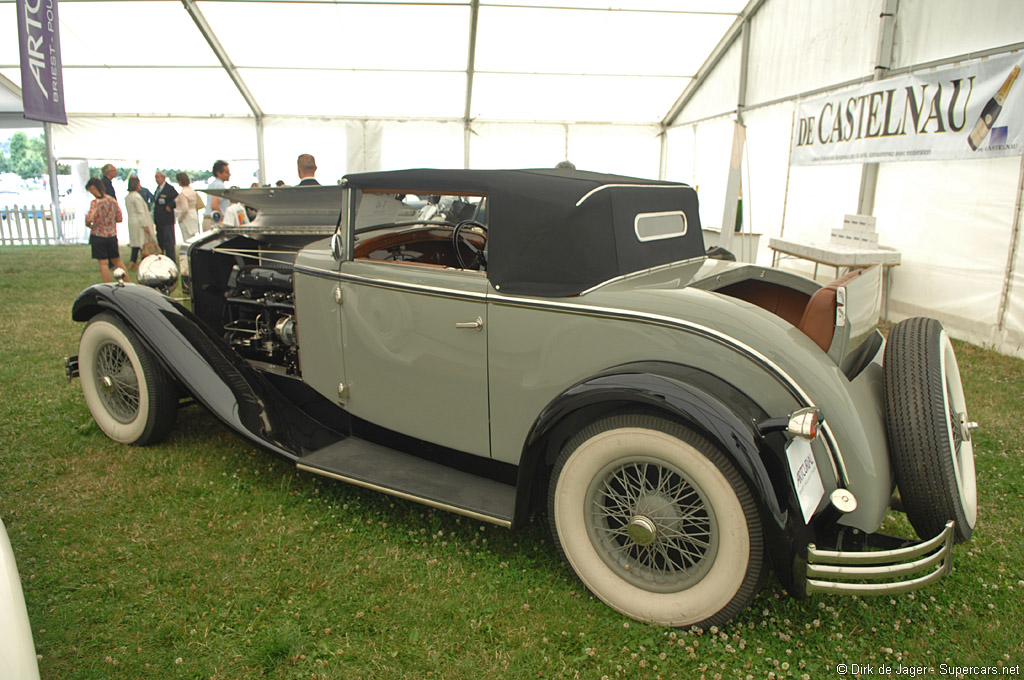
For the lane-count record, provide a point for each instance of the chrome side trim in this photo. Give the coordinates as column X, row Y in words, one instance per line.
column 507, row 524
column 835, row 457
column 637, row 186
column 418, row 288
column 832, row 571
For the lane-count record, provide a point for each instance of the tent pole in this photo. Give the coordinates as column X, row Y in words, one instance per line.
column 261, row 174
column 232, row 72
column 713, row 59
column 474, row 18
column 663, row 156
column 883, row 61
column 1011, row 258
column 51, row 166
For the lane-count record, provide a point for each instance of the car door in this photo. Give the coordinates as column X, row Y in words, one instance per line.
column 415, row 345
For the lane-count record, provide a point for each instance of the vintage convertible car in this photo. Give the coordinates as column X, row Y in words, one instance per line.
column 500, row 342
column 17, row 650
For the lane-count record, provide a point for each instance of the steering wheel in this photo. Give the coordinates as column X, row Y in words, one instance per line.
column 481, row 259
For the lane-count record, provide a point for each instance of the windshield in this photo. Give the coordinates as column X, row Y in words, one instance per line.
column 386, row 210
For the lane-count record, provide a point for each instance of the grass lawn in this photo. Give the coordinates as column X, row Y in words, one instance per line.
column 206, row 558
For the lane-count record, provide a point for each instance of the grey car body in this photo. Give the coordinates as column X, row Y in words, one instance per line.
column 498, row 342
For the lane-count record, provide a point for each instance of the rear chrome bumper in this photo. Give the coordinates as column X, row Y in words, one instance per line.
column 882, row 572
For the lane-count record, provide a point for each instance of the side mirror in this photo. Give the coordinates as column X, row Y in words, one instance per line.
column 337, row 247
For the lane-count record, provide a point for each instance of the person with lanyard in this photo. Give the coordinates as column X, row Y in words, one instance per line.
column 163, row 214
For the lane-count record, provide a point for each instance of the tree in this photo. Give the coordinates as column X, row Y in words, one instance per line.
column 122, row 173
column 5, row 165
column 194, row 175
column 31, row 165
column 19, row 146
column 28, row 156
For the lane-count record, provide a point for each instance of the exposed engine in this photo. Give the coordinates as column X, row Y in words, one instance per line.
column 259, row 315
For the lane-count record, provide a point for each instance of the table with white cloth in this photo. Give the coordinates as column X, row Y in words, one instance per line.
column 841, row 256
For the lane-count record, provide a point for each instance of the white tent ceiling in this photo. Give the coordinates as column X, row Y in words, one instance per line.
column 622, row 61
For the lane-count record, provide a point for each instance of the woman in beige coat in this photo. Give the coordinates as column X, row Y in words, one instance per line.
column 140, row 221
column 186, row 207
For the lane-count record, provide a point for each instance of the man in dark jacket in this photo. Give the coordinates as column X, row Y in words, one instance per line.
column 163, row 215
column 109, row 172
column 307, row 169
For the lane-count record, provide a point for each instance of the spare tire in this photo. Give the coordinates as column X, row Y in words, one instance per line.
column 928, row 429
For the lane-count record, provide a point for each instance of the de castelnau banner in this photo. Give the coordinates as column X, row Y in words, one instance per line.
column 969, row 111
column 42, row 81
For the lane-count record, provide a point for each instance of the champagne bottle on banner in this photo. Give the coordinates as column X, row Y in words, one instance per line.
column 991, row 111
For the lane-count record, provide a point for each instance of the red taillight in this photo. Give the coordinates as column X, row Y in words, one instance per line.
column 805, row 423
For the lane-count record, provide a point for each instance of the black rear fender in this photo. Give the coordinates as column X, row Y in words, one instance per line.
column 717, row 410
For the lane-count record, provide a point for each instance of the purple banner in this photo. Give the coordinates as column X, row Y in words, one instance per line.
column 42, row 82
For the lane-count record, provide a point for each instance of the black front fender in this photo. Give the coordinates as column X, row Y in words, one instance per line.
column 207, row 367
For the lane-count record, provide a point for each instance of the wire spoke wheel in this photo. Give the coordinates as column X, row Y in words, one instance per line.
column 117, row 384
column 655, row 527
column 130, row 395
column 656, row 521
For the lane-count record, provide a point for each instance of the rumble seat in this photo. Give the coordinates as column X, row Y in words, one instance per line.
column 818, row 321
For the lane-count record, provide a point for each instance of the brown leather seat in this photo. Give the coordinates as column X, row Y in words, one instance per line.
column 818, row 321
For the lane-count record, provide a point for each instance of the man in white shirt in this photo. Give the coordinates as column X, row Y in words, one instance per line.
column 216, row 207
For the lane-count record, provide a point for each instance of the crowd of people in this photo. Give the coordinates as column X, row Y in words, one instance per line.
column 155, row 216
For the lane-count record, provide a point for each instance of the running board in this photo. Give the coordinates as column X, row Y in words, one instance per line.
column 382, row 469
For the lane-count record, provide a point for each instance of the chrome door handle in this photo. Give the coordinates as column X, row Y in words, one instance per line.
column 476, row 325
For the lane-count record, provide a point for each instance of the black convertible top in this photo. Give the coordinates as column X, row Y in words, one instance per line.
column 556, row 233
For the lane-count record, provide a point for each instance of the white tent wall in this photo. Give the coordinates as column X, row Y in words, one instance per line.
column 622, row 149
column 954, row 221
column 190, row 143
column 285, row 138
column 801, row 45
column 950, row 220
column 341, row 145
column 507, row 145
column 708, row 168
column 1011, row 334
column 633, row 150
column 422, row 144
column 767, row 160
column 720, row 91
column 681, row 154
column 928, row 30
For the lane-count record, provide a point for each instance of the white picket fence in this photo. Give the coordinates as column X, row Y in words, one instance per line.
column 31, row 225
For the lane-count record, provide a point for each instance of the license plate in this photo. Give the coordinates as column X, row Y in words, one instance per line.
column 806, row 478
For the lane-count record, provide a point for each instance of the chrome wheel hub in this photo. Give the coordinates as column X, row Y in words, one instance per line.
column 966, row 426
column 641, row 530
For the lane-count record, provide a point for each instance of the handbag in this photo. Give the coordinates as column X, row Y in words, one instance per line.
column 199, row 202
column 150, row 246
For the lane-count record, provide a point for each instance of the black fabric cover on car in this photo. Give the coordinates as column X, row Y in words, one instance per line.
column 556, row 233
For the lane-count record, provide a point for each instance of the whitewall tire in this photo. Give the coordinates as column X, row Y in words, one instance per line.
column 929, row 430
column 656, row 522
column 128, row 392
